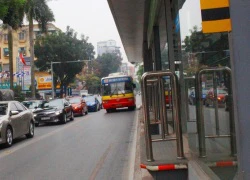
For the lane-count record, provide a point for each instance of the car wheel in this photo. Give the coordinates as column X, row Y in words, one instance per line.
column 96, row 108
column 82, row 113
column 72, row 116
column 9, row 137
column 31, row 131
column 131, row 108
column 108, row 110
column 86, row 112
column 64, row 119
column 37, row 124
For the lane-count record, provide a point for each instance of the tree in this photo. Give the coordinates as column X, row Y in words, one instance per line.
column 62, row 47
column 92, row 83
column 108, row 63
column 139, row 72
column 36, row 10
column 206, row 49
column 12, row 16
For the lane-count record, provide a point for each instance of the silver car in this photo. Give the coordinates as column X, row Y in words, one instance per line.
column 15, row 121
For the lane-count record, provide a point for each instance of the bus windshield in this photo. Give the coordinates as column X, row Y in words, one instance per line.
column 117, row 88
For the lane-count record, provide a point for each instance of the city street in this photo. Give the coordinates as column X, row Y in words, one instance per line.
column 95, row 146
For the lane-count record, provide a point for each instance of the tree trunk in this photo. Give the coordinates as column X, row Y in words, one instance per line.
column 31, row 39
column 10, row 46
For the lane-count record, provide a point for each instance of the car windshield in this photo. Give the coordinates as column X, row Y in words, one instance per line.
column 75, row 100
column 3, row 109
column 89, row 98
column 33, row 104
column 55, row 103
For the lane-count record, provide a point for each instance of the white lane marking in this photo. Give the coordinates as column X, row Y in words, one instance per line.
column 11, row 151
column 132, row 146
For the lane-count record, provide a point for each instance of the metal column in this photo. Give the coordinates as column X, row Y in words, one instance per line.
column 176, row 109
column 200, row 113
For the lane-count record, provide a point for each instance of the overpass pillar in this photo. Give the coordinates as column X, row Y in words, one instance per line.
column 240, row 41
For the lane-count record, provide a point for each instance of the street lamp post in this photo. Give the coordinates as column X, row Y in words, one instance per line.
column 52, row 76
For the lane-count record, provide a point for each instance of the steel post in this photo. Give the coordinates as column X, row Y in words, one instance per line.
column 215, row 104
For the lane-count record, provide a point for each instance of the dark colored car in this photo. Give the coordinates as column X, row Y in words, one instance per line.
column 79, row 105
column 15, row 121
column 92, row 103
column 221, row 93
column 191, row 97
column 56, row 110
column 34, row 104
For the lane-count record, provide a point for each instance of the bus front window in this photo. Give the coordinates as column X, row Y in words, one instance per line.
column 117, row 88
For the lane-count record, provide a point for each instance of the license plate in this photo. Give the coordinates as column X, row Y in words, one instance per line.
column 45, row 118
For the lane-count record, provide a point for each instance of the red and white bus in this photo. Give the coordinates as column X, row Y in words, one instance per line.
column 118, row 92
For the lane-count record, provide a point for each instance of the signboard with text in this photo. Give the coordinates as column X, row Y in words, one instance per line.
column 6, row 85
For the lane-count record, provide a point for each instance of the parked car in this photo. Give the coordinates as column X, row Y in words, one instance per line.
column 34, row 104
column 99, row 98
column 79, row 105
column 92, row 103
column 15, row 121
column 56, row 110
column 192, row 98
column 221, row 93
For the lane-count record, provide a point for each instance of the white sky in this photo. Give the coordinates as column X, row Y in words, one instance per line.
column 91, row 18
column 190, row 15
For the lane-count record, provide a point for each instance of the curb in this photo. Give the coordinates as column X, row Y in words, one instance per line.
column 222, row 163
column 164, row 167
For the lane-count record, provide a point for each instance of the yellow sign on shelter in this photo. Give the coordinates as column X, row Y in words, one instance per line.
column 215, row 16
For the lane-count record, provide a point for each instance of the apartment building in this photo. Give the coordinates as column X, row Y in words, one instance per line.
column 107, row 47
column 21, row 44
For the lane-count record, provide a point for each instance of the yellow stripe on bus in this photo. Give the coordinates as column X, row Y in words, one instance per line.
column 130, row 95
column 216, row 26
column 212, row 4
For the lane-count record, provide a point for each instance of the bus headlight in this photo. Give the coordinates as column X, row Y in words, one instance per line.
column 104, row 102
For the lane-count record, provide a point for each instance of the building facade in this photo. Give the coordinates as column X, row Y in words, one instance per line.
column 107, row 47
column 21, row 45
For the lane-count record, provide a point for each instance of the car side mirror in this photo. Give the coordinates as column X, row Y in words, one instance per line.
column 13, row 113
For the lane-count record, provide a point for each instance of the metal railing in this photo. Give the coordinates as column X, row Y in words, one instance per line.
column 157, row 77
column 200, row 112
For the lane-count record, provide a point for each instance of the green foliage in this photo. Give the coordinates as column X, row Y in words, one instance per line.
column 39, row 10
column 62, row 47
column 209, row 49
column 12, row 12
column 140, row 72
column 92, row 83
column 108, row 63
